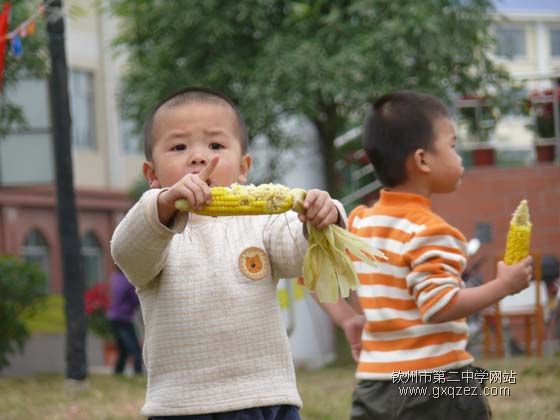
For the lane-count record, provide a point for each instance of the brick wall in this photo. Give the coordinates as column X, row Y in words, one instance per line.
column 490, row 194
column 23, row 209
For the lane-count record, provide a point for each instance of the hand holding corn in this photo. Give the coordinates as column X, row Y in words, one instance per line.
column 192, row 189
column 319, row 209
column 327, row 267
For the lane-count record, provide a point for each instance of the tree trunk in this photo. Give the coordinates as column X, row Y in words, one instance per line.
column 76, row 367
column 327, row 127
column 328, row 153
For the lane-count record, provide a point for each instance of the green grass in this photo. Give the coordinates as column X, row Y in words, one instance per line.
column 49, row 317
column 326, row 394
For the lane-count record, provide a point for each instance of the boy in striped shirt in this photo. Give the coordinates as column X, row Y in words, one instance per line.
column 414, row 303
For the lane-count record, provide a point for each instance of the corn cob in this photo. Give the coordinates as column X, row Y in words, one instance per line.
column 240, row 200
column 519, row 235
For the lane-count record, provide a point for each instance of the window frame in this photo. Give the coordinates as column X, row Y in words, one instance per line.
column 38, row 251
column 78, row 95
column 511, row 28
column 555, row 29
column 92, row 250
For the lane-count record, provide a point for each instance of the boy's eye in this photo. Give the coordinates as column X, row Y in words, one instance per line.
column 216, row 146
column 179, row 147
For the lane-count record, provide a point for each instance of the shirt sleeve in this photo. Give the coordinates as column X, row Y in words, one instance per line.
column 436, row 256
column 140, row 243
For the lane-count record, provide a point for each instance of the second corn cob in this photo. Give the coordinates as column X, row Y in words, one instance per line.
column 519, row 235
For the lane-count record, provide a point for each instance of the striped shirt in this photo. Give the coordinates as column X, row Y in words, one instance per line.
column 420, row 278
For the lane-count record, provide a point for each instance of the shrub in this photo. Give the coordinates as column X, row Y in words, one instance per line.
column 22, row 289
column 97, row 301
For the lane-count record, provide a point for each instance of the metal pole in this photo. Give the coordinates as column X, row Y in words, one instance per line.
column 76, row 367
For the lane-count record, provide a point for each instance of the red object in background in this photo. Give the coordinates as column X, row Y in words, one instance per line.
column 483, row 156
column 4, row 19
column 96, row 298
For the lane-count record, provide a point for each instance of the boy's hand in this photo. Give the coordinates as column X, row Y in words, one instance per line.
column 192, row 187
column 352, row 328
column 320, row 210
column 515, row 277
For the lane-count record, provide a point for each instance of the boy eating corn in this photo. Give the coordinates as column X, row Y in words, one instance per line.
column 215, row 343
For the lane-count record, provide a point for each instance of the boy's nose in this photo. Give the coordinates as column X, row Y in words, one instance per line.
column 198, row 160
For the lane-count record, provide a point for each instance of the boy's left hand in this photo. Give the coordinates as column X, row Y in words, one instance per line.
column 320, row 210
column 353, row 328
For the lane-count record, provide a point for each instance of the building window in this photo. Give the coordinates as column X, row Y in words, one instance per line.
column 35, row 249
column 131, row 140
column 92, row 257
column 511, row 42
column 25, row 151
column 555, row 43
column 82, row 109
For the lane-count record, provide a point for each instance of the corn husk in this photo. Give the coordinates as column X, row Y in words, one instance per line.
column 328, row 269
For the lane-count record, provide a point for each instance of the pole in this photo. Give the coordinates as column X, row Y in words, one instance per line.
column 76, row 367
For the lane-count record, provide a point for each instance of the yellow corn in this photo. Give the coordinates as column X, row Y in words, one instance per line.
column 239, row 200
column 519, row 235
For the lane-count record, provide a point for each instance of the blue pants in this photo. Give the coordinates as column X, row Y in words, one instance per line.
column 274, row 412
column 125, row 334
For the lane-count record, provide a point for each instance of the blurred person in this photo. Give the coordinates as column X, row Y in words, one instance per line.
column 124, row 303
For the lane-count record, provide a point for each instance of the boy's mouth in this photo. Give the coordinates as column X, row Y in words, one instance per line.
column 208, row 181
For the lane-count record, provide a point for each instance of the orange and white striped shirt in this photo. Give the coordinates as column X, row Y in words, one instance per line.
column 420, row 278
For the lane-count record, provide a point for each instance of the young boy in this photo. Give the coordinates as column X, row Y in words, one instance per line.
column 415, row 333
column 215, row 343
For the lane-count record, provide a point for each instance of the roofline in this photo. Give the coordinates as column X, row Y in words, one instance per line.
column 519, row 15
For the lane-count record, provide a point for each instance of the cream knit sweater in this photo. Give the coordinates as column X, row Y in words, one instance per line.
column 214, row 336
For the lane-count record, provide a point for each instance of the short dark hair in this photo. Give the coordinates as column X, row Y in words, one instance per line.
column 193, row 94
column 396, row 125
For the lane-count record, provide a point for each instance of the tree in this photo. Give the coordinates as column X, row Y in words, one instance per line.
column 324, row 59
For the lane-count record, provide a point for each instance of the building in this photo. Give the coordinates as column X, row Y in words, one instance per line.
column 107, row 157
column 528, row 36
column 528, row 45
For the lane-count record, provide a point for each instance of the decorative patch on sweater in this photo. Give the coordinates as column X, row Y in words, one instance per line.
column 253, row 263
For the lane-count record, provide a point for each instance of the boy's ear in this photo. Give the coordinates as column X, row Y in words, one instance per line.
column 420, row 162
column 246, row 162
column 150, row 175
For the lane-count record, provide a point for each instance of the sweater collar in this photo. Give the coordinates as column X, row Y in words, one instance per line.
column 402, row 199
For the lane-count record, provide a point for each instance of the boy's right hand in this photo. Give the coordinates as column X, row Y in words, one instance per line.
column 515, row 278
column 192, row 187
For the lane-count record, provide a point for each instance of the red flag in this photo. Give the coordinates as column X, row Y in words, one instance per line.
column 4, row 18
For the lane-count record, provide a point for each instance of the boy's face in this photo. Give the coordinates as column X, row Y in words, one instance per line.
column 446, row 168
column 186, row 137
